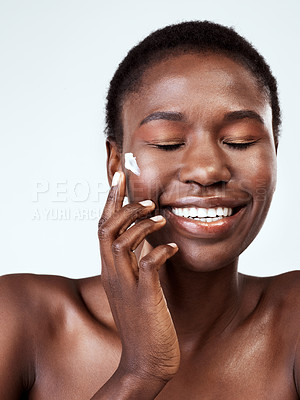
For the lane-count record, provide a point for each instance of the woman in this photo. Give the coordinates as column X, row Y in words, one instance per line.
column 192, row 125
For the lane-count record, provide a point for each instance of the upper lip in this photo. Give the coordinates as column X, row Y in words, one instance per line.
column 208, row 202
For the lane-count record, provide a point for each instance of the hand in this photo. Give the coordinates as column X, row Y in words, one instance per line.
column 150, row 348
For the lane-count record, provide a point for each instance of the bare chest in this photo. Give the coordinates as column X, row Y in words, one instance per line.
column 252, row 363
column 232, row 369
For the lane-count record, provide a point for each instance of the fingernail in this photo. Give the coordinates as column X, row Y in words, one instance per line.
column 146, row 203
column 172, row 245
column 116, row 179
column 157, row 218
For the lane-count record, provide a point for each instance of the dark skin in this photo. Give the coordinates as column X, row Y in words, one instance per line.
column 168, row 321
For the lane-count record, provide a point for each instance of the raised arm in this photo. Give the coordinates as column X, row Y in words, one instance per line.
column 150, row 350
column 16, row 376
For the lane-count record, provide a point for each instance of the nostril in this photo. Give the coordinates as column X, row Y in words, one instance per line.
column 218, row 185
column 205, row 175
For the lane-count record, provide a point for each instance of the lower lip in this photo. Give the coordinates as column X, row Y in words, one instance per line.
column 199, row 229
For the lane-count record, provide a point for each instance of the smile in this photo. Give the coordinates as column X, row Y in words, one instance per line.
column 203, row 214
column 213, row 221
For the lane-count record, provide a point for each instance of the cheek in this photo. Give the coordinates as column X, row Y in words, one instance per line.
column 260, row 176
column 150, row 183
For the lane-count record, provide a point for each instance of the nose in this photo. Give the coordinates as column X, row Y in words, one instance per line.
column 205, row 163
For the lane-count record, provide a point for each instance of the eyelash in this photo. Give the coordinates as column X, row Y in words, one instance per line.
column 239, row 146
column 169, row 147
column 235, row 146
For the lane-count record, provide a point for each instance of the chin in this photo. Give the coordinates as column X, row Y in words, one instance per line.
column 197, row 256
column 204, row 260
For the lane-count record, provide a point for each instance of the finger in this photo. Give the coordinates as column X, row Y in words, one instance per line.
column 124, row 245
column 112, row 228
column 117, row 225
column 130, row 239
column 115, row 197
column 113, row 202
column 151, row 263
column 121, row 182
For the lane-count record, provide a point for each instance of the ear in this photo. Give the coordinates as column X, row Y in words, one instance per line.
column 113, row 163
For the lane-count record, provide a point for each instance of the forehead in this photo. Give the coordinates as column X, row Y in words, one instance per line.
column 195, row 84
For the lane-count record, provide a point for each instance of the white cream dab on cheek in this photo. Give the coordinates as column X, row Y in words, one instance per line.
column 131, row 164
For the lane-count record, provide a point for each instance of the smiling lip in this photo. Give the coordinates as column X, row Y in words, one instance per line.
column 205, row 217
column 209, row 201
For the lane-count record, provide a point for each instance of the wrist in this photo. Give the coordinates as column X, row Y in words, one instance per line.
column 124, row 385
column 140, row 387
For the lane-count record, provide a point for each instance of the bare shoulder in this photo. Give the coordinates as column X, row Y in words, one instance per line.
column 275, row 298
column 285, row 288
column 44, row 308
column 41, row 317
column 31, row 299
column 30, row 292
column 25, row 307
column 31, row 296
column 280, row 297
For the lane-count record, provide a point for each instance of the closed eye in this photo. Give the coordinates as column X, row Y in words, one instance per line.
column 168, row 147
column 239, row 146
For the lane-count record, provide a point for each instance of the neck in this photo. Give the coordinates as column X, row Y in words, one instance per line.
column 202, row 304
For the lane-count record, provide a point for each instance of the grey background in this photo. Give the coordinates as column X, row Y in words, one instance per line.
column 57, row 58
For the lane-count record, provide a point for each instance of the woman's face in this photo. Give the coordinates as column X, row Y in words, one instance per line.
column 201, row 130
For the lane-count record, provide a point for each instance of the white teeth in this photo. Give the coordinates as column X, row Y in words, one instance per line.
column 212, row 212
column 193, row 212
column 220, row 211
column 186, row 212
column 203, row 214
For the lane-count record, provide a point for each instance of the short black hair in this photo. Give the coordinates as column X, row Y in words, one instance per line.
column 192, row 36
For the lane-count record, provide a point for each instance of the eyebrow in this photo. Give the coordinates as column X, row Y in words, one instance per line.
column 177, row 116
column 166, row 115
column 242, row 114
